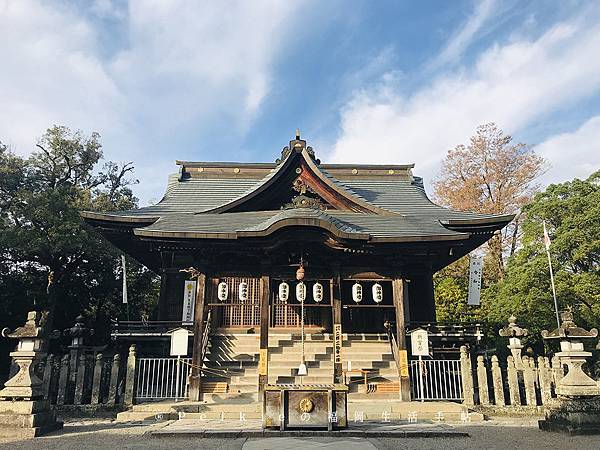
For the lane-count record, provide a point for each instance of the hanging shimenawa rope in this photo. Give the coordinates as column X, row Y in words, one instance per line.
column 302, row 328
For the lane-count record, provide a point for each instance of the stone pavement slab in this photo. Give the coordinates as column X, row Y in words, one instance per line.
column 252, row 429
column 282, row 443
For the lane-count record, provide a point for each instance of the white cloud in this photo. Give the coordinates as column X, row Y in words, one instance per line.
column 512, row 84
column 572, row 155
column 173, row 67
column 463, row 37
column 50, row 74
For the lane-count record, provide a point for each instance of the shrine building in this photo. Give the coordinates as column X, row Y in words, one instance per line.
column 252, row 255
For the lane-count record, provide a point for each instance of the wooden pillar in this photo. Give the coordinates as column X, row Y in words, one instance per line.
column 421, row 297
column 162, row 297
column 336, row 298
column 195, row 388
column 398, row 297
column 263, row 362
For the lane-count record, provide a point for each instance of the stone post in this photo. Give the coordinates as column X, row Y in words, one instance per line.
column 467, row 376
column 114, row 380
column 80, row 380
column 514, row 333
column 497, row 380
column 130, row 376
column 47, row 377
column 558, row 371
column 513, row 382
column 97, row 380
column 63, row 380
column 545, row 376
column 482, row 382
column 529, row 380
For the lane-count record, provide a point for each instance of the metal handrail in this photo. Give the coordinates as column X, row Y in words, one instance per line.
column 393, row 344
column 205, row 337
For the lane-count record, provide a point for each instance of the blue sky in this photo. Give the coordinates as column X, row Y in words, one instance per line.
column 365, row 81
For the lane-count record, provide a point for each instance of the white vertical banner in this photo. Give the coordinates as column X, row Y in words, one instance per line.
column 124, row 269
column 189, row 302
column 475, row 272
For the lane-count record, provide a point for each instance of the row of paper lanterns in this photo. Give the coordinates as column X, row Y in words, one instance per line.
column 317, row 289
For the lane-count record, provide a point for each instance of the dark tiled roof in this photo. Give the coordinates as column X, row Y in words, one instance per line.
column 408, row 214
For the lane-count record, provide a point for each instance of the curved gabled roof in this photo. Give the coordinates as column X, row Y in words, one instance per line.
column 373, row 203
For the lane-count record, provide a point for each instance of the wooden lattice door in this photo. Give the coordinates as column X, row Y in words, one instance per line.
column 236, row 312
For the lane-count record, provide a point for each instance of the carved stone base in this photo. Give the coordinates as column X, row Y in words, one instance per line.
column 25, row 419
column 25, row 384
column 573, row 416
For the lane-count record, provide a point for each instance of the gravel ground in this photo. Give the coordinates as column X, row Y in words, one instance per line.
column 500, row 433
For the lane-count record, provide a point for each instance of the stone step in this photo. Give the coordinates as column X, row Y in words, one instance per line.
column 136, row 416
column 243, row 379
column 232, row 397
column 287, row 363
column 372, row 397
column 308, row 379
column 223, row 415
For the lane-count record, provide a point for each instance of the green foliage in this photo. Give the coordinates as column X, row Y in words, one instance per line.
column 50, row 258
column 572, row 214
column 451, row 292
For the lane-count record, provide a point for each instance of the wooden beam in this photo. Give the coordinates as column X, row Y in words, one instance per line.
column 195, row 382
column 336, row 297
column 263, row 364
column 398, row 296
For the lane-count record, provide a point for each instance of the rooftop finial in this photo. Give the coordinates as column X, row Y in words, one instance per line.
column 297, row 134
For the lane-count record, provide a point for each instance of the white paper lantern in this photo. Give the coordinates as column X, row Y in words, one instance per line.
column 284, row 291
column 301, row 292
column 357, row 293
column 377, row 293
column 243, row 291
column 318, row 292
column 223, row 291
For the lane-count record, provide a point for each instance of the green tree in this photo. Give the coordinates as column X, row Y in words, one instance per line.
column 50, row 258
column 572, row 214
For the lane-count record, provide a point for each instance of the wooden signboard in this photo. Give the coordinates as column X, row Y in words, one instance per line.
column 337, row 344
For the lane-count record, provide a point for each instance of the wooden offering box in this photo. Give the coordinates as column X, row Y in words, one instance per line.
column 305, row 406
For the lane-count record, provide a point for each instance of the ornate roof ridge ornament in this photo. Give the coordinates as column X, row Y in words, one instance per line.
column 568, row 328
column 297, row 145
column 512, row 329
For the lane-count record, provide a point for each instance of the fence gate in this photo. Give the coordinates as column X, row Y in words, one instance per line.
column 436, row 379
column 161, row 378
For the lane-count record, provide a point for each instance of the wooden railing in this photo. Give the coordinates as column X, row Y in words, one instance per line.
column 146, row 328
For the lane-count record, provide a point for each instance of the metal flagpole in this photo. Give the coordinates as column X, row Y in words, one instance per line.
column 547, row 245
column 125, row 284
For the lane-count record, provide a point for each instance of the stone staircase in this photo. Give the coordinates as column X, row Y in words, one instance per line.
column 233, row 359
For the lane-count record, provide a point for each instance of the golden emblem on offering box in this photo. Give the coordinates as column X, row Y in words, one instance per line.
column 306, row 405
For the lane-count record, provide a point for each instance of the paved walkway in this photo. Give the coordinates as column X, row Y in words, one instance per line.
column 501, row 434
column 252, row 429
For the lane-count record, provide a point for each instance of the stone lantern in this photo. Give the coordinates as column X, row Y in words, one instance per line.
column 576, row 382
column 78, row 332
column 576, row 409
column 514, row 333
column 23, row 410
